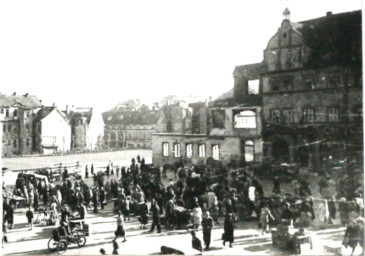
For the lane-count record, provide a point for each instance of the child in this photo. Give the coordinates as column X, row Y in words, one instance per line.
column 264, row 217
column 30, row 216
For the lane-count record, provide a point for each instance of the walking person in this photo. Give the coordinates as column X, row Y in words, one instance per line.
column 155, row 216
column 208, row 225
column 92, row 169
column 228, row 235
column 120, row 228
column 10, row 216
column 353, row 235
column 30, row 217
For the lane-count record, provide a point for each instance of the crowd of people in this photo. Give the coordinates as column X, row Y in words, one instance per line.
column 195, row 197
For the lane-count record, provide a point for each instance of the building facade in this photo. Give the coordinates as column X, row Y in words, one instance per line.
column 17, row 113
column 306, row 98
column 311, row 90
column 52, row 131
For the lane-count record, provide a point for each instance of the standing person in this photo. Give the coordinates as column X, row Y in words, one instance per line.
column 102, row 197
column 126, row 209
column 10, row 216
column 344, row 208
column 36, row 200
column 54, row 210
column 92, row 169
column 117, row 171
column 86, row 172
column 353, row 235
column 276, row 188
column 332, row 209
column 265, row 214
column 95, row 199
column 215, row 210
column 196, row 243
column 197, row 215
column 30, row 217
column 207, row 224
column 120, row 228
column 155, row 216
column 228, row 235
column 108, row 170
column 144, row 215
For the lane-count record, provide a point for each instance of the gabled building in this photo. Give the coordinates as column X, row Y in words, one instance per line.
column 310, row 85
column 16, row 117
column 87, row 128
column 52, row 131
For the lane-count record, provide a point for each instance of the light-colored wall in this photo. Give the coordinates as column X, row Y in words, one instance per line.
column 54, row 125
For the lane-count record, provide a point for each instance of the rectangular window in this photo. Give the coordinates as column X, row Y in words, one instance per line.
column 4, row 128
column 15, row 143
column 2, row 111
column 202, row 150
column 9, row 128
column 177, row 152
column 308, row 115
column 218, row 118
column 309, row 83
column 288, row 116
column 275, row 115
column 333, row 115
column 28, row 142
column 15, row 113
column 249, row 151
column 7, row 112
column 334, row 80
column 215, row 152
column 189, row 150
column 245, row 119
column 275, row 85
column 287, row 84
column 253, row 86
column 165, row 149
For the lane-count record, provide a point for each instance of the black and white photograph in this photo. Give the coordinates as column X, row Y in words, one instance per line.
column 163, row 127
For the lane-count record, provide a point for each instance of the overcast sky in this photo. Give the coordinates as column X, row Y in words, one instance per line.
column 99, row 53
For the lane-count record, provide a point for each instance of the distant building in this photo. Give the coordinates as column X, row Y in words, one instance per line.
column 87, row 128
column 16, row 116
column 127, row 128
column 52, row 131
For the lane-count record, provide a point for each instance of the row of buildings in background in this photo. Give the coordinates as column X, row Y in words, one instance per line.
column 301, row 105
column 29, row 127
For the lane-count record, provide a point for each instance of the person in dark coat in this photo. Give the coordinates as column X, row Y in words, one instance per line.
column 30, row 217
column 144, row 215
column 196, row 243
column 207, row 224
column 102, row 197
column 95, row 200
column 117, row 171
column 92, row 169
column 86, row 172
column 36, row 200
column 108, row 170
column 10, row 216
column 353, row 235
column 332, row 210
column 276, row 188
column 155, row 216
column 228, row 235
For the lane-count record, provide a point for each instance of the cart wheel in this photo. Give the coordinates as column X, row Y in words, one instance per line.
column 81, row 241
column 62, row 246
column 52, row 245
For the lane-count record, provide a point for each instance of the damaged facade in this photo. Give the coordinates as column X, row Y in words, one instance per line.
column 17, row 113
column 305, row 97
